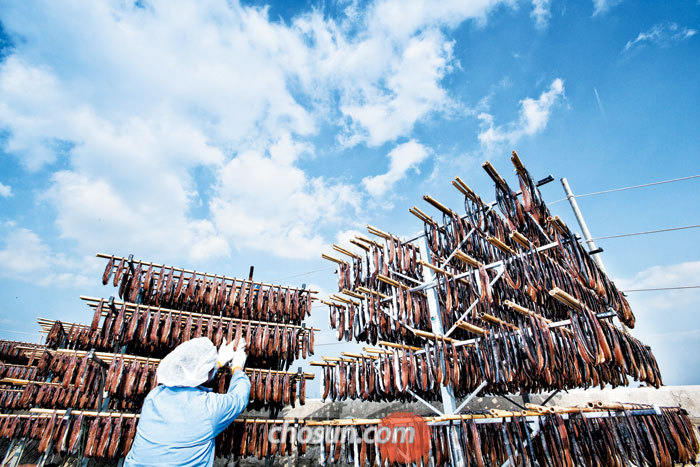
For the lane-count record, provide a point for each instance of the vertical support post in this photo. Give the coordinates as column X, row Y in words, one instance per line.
column 582, row 223
column 448, row 398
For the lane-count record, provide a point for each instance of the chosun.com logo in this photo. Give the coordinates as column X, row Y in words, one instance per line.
column 401, row 437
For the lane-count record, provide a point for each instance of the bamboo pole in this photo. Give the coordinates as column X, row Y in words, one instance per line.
column 430, row 335
column 369, row 292
column 565, row 298
column 398, row 346
column 521, row 239
column 439, row 206
column 495, row 176
column 118, row 259
column 380, row 233
column 522, row 310
column 468, row 192
column 462, row 256
column 498, row 243
column 353, row 294
column 369, row 241
column 495, row 320
column 390, row 281
column 331, row 258
column 131, row 307
column 358, row 355
column 423, row 217
column 359, row 244
column 471, row 328
column 343, row 299
column 342, row 250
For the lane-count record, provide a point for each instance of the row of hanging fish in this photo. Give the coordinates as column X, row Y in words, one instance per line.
column 204, row 293
column 55, row 396
column 389, row 259
column 151, row 332
column 9, row 396
column 526, row 280
column 128, row 380
column 572, row 263
column 533, row 359
column 268, row 389
column 250, row 439
column 10, row 351
column 17, row 371
column 107, row 437
column 373, row 319
column 639, row 437
column 654, row 440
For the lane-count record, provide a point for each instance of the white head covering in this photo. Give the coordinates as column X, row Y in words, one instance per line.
column 188, row 364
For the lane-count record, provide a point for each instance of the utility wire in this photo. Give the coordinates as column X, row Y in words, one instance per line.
column 19, row 332
column 303, row 274
column 647, row 232
column 664, row 288
column 627, row 188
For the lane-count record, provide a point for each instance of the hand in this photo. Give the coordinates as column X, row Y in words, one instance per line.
column 239, row 356
column 225, row 355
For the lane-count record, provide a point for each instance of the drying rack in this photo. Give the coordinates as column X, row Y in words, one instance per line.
column 430, row 281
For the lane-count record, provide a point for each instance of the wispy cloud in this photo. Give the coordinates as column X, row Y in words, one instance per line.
column 600, row 104
column 600, row 7
column 541, row 13
column 402, row 158
column 533, row 117
column 662, row 34
column 5, row 190
column 24, row 256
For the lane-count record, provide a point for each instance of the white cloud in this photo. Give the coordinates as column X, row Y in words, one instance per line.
column 668, row 320
column 412, row 90
column 600, row 7
column 541, row 13
column 662, row 34
column 276, row 207
column 662, row 276
column 402, row 158
column 533, row 117
column 136, row 111
column 25, row 257
column 5, row 190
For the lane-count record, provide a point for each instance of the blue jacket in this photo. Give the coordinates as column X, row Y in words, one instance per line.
column 178, row 424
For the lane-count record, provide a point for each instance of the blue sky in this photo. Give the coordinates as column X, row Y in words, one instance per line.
column 215, row 135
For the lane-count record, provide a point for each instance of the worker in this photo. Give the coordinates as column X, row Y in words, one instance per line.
column 181, row 416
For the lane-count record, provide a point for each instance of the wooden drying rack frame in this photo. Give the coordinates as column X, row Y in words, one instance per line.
column 131, row 307
column 234, row 280
column 108, row 358
column 533, row 413
column 557, row 293
column 516, row 237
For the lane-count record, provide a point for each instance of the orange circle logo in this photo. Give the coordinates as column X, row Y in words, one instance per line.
column 403, row 437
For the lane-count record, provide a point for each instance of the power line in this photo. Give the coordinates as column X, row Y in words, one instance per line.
column 19, row 332
column 663, row 288
column 303, row 274
column 647, row 232
column 627, row 188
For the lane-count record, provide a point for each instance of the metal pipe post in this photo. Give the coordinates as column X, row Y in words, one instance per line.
column 582, row 223
column 448, row 399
